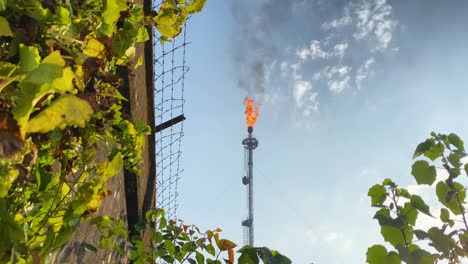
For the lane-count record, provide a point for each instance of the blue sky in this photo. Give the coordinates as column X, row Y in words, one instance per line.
column 349, row 88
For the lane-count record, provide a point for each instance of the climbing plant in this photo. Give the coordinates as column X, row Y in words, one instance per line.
column 439, row 165
column 174, row 241
column 63, row 133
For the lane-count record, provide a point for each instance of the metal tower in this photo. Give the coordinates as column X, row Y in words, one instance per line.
column 250, row 143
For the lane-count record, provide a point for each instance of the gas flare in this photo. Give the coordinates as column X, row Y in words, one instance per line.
column 251, row 112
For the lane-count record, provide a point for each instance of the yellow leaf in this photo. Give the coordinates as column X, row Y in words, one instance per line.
column 54, row 58
column 139, row 62
column 224, row 244
column 79, row 75
column 167, row 15
column 195, row 6
column 67, row 110
column 113, row 167
column 56, row 223
column 5, row 27
column 65, row 189
column 7, row 181
column 94, row 48
column 64, row 83
column 169, row 31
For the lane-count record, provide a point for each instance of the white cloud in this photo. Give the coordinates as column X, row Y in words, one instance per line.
column 315, row 51
column 304, row 96
column 362, row 23
column 338, row 86
column 284, row 69
column 363, row 71
column 336, row 78
column 300, row 89
column 303, row 53
column 340, row 49
column 330, row 72
column 375, row 18
column 338, row 23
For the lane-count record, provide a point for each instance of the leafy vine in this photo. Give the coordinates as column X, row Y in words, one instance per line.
column 447, row 238
column 63, row 133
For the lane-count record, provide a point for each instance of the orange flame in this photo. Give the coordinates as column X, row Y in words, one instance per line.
column 251, row 112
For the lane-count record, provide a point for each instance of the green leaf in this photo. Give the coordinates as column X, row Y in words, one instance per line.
column 158, row 237
column 62, row 237
column 456, row 141
column 210, row 249
column 170, row 247
column 444, row 215
column 389, row 183
column 142, row 35
column 29, row 58
column 378, row 195
column 200, row 258
column 421, row 234
column 377, row 254
column 447, row 196
column 105, row 242
column 49, row 77
column 464, row 240
column 394, row 236
column 63, row 15
column 124, row 39
column 5, row 27
column 48, row 241
column 414, row 255
column 194, row 6
column 140, row 227
column 440, row 241
column 3, row 5
column 271, row 256
column 410, row 213
column 112, row 11
column 454, row 159
column 422, row 148
column 423, row 173
column 89, row 247
column 248, row 255
column 117, row 248
column 418, row 203
column 162, row 223
column 435, row 151
column 403, row 193
column 383, row 216
column 68, row 110
column 7, row 69
column 278, row 258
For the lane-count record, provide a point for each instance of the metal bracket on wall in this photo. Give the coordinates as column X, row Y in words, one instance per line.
column 169, row 123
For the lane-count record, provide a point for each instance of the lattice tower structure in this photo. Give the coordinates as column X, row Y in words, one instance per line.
column 250, row 143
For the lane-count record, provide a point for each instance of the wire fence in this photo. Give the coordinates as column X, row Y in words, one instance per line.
column 170, row 69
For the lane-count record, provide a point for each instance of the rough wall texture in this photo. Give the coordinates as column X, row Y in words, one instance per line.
column 129, row 191
column 113, row 205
